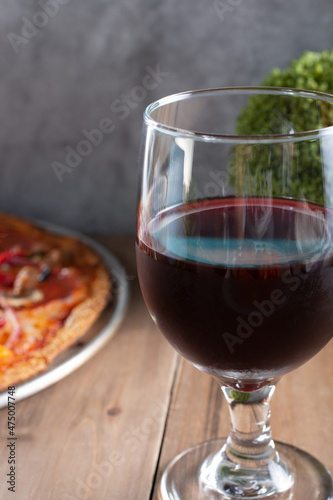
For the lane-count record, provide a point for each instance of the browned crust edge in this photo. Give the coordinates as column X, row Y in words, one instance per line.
column 80, row 319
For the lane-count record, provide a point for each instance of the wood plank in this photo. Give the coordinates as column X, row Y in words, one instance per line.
column 97, row 433
column 302, row 411
column 197, row 413
column 302, row 408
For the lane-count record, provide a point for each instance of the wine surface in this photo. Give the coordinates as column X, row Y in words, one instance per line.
column 242, row 288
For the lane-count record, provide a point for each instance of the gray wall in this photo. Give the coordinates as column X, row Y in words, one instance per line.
column 87, row 65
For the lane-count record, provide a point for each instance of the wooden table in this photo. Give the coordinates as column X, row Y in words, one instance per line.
column 108, row 430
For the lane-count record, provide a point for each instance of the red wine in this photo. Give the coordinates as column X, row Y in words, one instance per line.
column 242, row 288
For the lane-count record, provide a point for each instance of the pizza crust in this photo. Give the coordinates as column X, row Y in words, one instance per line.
column 21, row 371
column 81, row 317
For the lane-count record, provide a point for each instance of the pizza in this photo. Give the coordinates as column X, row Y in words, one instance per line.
column 52, row 289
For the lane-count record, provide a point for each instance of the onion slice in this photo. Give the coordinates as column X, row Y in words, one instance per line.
column 12, row 317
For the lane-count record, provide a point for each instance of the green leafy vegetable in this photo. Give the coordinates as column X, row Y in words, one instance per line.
column 286, row 169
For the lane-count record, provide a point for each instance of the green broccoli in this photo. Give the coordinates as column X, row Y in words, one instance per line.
column 312, row 71
column 286, row 169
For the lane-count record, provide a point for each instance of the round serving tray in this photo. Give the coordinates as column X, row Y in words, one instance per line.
column 97, row 336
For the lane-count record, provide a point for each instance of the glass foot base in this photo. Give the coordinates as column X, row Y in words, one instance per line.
column 187, row 479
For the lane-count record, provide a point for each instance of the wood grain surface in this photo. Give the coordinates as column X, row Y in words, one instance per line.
column 108, row 430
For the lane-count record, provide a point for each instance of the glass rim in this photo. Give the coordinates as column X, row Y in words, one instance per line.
column 240, row 139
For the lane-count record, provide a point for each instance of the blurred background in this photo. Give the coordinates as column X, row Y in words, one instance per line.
column 76, row 76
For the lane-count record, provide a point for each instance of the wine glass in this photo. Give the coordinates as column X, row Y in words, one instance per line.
column 234, row 254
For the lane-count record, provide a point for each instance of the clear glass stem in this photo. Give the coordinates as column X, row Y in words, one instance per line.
column 248, row 466
column 250, row 442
